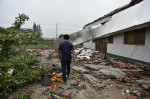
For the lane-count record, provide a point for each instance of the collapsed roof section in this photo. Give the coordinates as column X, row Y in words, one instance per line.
column 117, row 21
column 133, row 2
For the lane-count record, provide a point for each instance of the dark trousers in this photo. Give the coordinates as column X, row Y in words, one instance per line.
column 65, row 64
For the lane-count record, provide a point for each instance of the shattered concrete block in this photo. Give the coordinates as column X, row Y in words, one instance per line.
column 142, row 81
column 95, row 82
column 103, row 63
column 113, row 71
column 103, row 67
column 80, row 69
column 92, row 66
column 137, row 93
column 133, row 70
column 146, row 86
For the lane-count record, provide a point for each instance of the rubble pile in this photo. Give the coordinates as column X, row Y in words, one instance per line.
column 101, row 66
column 93, row 75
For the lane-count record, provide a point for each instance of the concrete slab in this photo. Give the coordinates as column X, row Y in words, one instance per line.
column 95, row 82
column 113, row 71
column 80, row 69
column 92, row 66
column 142, row 81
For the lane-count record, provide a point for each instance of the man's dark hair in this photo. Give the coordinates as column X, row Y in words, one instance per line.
column 66, row 37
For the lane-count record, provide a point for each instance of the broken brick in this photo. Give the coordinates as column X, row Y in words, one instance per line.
column 132, row 97
column 145, row 93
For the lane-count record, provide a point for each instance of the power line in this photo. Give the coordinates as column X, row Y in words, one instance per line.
column 72, row 25
column 56, row 30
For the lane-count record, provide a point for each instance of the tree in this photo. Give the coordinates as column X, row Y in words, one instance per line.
column 34, row 27
column 37, row 29
column 61, row 35
column 11, row 37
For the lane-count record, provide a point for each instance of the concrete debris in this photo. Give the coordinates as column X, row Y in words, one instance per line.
column 46, row 80
column 133, row 70
column 83, row 57
column 78, row 51
column 92, row 66
column 11, row 71
column 95, row 82
column 142, row 81
column 137, row 93
column 86, row 52
column 101, row 71
column 46, row 92
column 113, row 71
column 146, row 86
column 80, row 69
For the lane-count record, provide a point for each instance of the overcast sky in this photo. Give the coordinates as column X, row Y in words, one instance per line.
column 70, row 15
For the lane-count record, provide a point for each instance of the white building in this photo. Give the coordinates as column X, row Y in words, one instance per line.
column 124, row 32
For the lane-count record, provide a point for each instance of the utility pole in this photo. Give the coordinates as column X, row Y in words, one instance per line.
column 56, row 30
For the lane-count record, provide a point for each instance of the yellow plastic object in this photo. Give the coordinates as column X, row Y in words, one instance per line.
column 56, row 78
column 53, row 79
column 59, row 78
column 55, row 88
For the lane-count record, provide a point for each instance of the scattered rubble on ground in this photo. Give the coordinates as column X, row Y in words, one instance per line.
column 94, row 75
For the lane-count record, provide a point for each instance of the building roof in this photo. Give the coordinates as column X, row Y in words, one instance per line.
column 132, row 3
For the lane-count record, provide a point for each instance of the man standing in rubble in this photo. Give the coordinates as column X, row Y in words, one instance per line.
column 66, row 53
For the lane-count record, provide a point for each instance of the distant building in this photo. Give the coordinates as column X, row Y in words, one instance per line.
column 24, row 29
column 27, row 30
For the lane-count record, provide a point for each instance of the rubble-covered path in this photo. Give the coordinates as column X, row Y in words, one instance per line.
column 93, row 76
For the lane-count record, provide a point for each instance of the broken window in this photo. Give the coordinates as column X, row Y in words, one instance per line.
column 136, row 37
column 110, row 39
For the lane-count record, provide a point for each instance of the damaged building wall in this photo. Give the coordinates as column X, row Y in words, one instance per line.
column 137, row 52
column 90, row 44
column 122, row 21
column 76, row 38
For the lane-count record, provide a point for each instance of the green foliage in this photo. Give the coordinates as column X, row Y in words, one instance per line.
column 34, row 27
column 11, row 37
column 20, row 21
column 73, row 76
column 24, row 71
column 30, row 36
column 23, row 64
column 42, row 44
column 14, row 36
column 61, row 35
column 23, row 95
column 6, row 81
column 37, row 29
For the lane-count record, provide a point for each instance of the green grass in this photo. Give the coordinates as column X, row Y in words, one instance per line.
column 41, row 44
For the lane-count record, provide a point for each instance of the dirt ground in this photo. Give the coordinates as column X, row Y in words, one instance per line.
column 48, row 58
